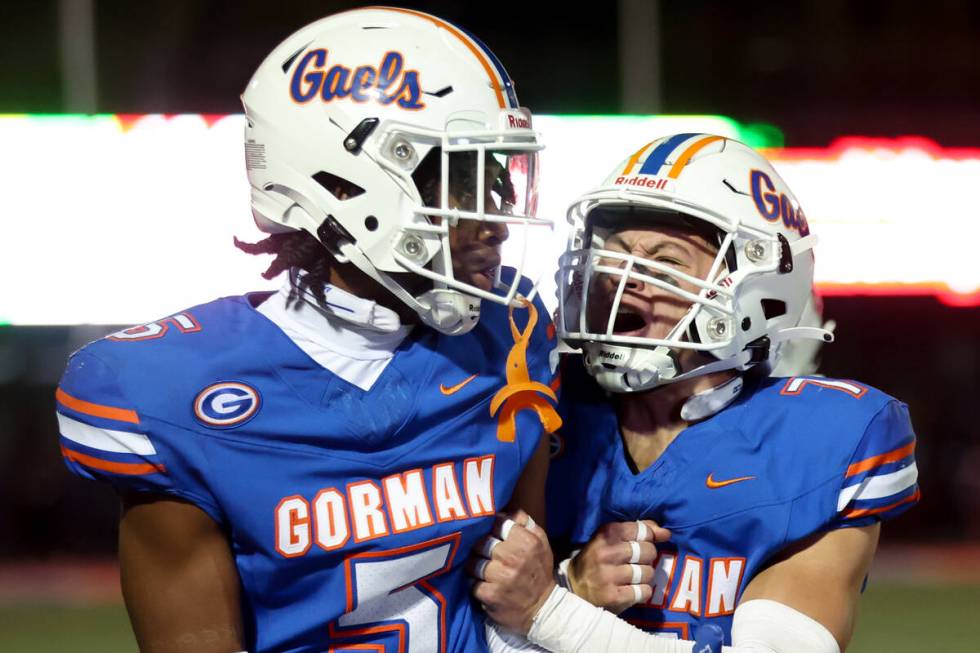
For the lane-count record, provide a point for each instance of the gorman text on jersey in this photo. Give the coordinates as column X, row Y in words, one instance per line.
column 368, row 509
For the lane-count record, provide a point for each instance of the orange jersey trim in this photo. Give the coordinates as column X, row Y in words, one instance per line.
column 96, row 410
column 853, row 514
column 882, row 459
column 128, row 469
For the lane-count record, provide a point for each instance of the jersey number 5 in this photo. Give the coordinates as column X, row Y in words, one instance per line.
column 796, row 385
column 388, row 592
column 184, row 322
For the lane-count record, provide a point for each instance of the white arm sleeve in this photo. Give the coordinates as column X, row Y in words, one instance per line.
column 569, row 624
column 505, row 641
column 763, row 625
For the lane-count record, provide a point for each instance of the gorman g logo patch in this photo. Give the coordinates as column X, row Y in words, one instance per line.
column 226, row 404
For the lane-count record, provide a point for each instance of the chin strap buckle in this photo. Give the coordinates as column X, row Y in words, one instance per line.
column 758, row 350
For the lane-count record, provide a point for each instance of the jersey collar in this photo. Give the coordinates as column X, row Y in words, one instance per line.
column 350, row 308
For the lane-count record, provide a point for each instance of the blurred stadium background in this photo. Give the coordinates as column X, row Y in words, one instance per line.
column 869, row 108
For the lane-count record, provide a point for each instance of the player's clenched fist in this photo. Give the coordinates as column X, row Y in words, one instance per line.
column 514, row 569
column 615, row 568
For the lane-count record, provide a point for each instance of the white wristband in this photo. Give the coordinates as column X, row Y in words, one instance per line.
column 761, row 624
column 569, row 624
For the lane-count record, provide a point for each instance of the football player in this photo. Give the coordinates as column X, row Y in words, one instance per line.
column 687, row 272
column 307, row 470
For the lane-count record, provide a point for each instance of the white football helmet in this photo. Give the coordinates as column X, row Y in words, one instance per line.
column 750, row 301
column 344, row 111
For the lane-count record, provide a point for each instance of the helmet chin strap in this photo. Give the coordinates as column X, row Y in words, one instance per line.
column 450, row 311
column 804, row 333
column 619, row 368
column 635, row 369
column 447, row 311
column 657, row 367
column 708, row 402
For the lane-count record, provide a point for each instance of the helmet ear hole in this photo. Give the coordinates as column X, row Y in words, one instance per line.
column 342, row 189
column 773, row 308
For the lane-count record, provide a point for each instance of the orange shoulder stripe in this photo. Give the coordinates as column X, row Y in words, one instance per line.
column 852, row 514
column 882, row 459
column 96, row 410
column 129, row 469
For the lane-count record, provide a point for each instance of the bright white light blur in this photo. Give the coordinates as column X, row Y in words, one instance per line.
column 107, row 221
column 107, row 225
column 894, row 212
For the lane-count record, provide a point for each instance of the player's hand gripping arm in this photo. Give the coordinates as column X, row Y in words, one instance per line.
column 804, row 603
column 179, row 579
column 515, row 571
column 614, row 569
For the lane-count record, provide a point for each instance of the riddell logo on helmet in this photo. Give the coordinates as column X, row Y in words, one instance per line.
column 610, row 356
column 642, row 180
column 388, row 83
column 518, row 122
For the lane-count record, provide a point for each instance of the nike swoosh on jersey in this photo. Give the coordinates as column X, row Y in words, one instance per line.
column 456, row 388
column 713, row 484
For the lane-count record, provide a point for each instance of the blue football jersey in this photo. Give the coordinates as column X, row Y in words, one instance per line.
column 351, row 513
column 790, row 458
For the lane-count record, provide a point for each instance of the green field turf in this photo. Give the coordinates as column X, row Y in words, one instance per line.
column 47, row 628
column 918, row 619
column 893, row 619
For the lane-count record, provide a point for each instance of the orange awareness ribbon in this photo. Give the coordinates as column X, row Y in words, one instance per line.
column 521, row 392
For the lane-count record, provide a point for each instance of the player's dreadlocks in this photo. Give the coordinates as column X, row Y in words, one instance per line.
column 295, row 249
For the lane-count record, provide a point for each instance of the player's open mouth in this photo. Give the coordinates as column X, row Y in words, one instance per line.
column 629, row 323
column 484, row 278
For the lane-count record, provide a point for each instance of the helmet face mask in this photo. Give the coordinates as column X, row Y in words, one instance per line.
column 731, row 311
column 359, row 128
column 645, row 276
column 475, row 186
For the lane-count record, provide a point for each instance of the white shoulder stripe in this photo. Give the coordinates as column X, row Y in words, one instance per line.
column 105, row 439
column 878, row 487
